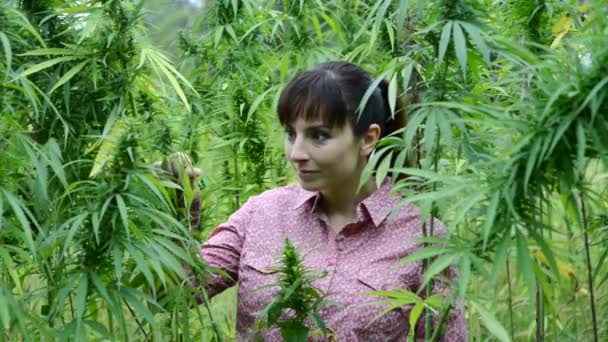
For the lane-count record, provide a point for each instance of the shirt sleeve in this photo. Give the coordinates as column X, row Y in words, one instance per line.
column 223, row 250
column 455, row 326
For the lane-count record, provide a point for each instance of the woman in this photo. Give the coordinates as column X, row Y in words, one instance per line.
column 345, row 232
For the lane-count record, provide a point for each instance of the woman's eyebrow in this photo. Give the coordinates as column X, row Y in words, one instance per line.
column 319, row 126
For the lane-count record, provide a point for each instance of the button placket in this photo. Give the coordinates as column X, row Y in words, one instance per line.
column 340, row 242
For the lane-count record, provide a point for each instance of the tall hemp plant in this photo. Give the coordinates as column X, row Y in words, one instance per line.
column 493, row 192
column 89, row 235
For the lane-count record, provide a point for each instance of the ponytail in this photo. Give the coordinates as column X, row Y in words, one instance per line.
column 392, row 123
column 395, row 122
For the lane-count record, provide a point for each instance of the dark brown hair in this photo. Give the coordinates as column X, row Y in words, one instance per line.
column 332, row 91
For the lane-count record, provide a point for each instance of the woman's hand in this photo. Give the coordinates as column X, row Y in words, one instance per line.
column 178, row 167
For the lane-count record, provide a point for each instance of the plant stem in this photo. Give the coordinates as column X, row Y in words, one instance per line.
column 237, row 199
column 510, row 302
column 589, row 269
column 429, row 285
column 540, row 309
column 216, row 330
column 444, row 316
column 139, row 325
column 111, row 323
column 539, row 313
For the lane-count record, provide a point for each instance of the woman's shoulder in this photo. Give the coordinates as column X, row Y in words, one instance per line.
column 409, row 218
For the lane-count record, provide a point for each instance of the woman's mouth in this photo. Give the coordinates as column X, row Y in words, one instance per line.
column 307, row 174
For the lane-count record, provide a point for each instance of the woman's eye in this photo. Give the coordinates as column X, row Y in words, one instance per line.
column 291, row 135
column 320, row 136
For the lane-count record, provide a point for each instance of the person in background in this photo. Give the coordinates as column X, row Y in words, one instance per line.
column 175, row 166
column 341, row 230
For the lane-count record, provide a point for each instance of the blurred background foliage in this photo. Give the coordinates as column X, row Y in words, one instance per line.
column 507, row 125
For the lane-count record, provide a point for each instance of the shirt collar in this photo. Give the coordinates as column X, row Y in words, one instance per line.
column 304, row 196
column 378, row 205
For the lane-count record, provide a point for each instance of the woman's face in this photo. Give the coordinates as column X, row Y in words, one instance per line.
column 324, row 158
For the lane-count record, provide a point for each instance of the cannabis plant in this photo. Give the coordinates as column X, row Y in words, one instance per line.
column 298, row 301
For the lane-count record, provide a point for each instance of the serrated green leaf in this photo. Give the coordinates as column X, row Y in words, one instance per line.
column 49, row 52
column 531, row 162
column 414, row 316
column 464, row 275
column 501, row 256
column 581, row 146
column 122, row 209
column 318, row 30
column 475, row 34
column 422, row 254
column 20, row 213
column 491, row 213
column 333, row 25
column 444, row 41
column 137, row 300
column 368, row 93
column 68, row 75
column 256, row 103
column 392, row 95
column 46, row 64
column 8, row 52
column 391, row 32
column 524, row 263
column 439, row 265
column 402, row 14
column 80, row 300
column 430, row 134
column 27, row 25
column 383, row 169
column 460, row 46
column 76, row 224
column 491, row 323
column 140, row 261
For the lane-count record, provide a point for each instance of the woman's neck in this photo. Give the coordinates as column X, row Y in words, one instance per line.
column 343, row 201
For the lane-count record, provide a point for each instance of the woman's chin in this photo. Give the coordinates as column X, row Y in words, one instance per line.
column 309, row 186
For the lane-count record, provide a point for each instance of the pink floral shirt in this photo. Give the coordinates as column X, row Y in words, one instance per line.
column 362, row 257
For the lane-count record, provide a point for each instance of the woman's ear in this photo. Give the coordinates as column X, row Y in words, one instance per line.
column 370, row 139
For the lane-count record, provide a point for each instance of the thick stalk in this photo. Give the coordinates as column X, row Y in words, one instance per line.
column 237, row 199
column 429, row 286
column 111, row 324
column 540, row 312
column 589, row 269
column 216, row 330
column 428, row 313
column 510, row 303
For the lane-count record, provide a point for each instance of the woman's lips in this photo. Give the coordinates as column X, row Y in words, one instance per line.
column 307, row 174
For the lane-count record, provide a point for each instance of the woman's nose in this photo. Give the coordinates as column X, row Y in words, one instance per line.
column 297, row 150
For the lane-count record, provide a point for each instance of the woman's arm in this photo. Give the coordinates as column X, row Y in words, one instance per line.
column 223, row 248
